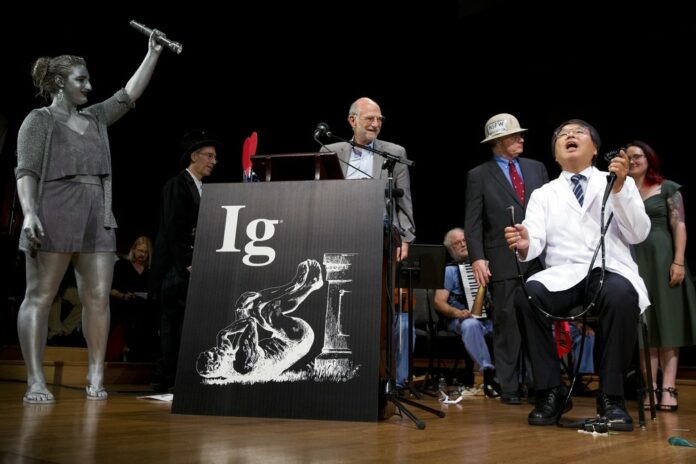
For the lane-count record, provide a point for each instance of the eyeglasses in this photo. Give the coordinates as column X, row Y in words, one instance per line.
column 459, row 242
column 208, row 155
column 373, row 119
column 636, row 157
column 566, row 132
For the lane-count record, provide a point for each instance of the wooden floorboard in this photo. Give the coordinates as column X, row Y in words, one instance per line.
column 125, row 429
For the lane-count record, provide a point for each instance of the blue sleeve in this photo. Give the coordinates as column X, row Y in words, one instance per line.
column 452, row 285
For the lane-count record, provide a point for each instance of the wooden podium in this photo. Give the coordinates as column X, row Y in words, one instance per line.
column 283, row 311
column 297, row 166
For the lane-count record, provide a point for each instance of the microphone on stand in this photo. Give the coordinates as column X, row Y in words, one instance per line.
column 322, row 129
column 176, row 47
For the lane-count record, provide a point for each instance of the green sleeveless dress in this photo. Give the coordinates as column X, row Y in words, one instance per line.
column 672, row 314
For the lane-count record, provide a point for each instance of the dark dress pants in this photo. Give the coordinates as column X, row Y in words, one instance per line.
column 617, row 307
column 507, row 341
column 173, row 302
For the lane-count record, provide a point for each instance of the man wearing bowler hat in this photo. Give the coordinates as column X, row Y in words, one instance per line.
column 171, row 261
column 491, row 188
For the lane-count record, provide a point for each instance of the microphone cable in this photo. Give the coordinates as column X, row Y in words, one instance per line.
column 600, row 246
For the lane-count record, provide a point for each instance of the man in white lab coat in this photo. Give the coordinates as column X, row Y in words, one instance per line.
column 563, row 219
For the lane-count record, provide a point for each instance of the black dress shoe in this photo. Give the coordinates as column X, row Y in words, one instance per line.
column 490, row 387
column 510, row 398
column 549, row 404
column 614, row 409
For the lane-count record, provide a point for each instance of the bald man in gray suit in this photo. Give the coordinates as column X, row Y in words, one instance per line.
column 365, row 117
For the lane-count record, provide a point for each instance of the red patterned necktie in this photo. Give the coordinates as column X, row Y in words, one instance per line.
column 516, row 181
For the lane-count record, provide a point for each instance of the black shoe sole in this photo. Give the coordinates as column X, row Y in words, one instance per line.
column 541, row 420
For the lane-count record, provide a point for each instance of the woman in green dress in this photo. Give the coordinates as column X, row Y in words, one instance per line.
column 672, row 316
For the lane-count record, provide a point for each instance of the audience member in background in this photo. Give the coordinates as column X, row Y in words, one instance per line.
column 452, row 303
column 661, row 262
column 171, row 267
column 130, row 306
column 64, row 186
column 587, row 362
column 505, row 180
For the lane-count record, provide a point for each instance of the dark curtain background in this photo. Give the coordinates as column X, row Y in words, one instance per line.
column 439, row 70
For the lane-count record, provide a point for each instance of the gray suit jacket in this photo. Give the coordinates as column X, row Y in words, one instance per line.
column 402, row 180
column 488, row 195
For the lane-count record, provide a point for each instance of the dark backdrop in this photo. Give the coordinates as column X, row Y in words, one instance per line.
column 439, row 70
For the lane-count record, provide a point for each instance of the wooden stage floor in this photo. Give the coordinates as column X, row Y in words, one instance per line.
column 129, row 430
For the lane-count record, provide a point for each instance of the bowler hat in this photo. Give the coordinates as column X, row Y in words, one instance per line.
column 501, row 125
column 194, row 140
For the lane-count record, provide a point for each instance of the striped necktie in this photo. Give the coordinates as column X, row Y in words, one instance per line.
column 577, row 187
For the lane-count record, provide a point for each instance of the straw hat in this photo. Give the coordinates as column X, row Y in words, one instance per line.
column 501, row 125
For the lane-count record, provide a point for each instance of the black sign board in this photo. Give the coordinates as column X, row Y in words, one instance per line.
column 283, row 310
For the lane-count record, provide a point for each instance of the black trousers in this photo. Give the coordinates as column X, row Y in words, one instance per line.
column 507, row 341
column 173, row 304
column 617, row 307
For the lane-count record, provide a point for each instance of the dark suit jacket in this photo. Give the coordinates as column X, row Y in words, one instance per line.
column 402, row 180
column 488, row 195
column 177, row 227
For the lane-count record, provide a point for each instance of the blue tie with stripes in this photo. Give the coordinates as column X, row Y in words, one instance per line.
column 577, row 187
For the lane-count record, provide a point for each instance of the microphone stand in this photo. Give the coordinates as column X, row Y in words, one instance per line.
column 390, row 392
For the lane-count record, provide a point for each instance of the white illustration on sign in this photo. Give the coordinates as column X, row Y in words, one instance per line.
column 241, row 355
column 264, row 341
column 336, row 359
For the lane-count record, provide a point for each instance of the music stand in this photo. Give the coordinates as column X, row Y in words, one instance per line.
column 424, row 268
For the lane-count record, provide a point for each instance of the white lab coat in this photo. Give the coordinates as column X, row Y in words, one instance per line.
column 570, row 233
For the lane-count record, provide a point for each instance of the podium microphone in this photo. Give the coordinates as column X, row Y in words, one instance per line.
column 176, row 47
column 322, row 129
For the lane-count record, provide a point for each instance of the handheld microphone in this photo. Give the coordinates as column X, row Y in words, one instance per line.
column 176, row 47
column 611, row 178
column 610, row 156
column 322, row 129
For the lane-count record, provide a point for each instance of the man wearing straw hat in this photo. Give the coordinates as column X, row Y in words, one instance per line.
column 504, row 181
